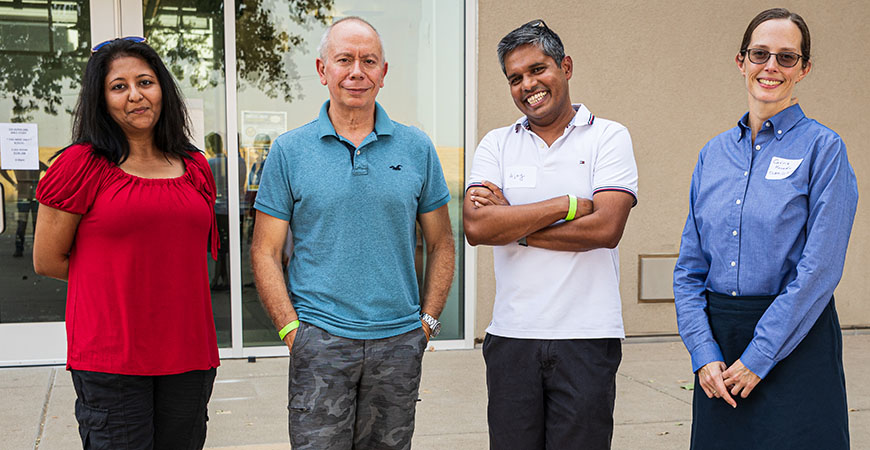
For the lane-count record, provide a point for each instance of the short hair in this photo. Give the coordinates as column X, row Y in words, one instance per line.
column 215, row 143
column 779, row 13
column 324, row 40
column 92, row 123
column 535, row 33
column 263, row 140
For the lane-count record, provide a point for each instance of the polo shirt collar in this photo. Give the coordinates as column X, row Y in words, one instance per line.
column 782, row 122
column 383, row 124
column 582, row 117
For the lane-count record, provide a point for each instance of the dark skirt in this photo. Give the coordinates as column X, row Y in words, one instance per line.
column 801, row 404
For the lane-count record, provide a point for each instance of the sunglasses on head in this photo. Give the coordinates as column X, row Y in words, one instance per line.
column 538, row 24
column 97, row 47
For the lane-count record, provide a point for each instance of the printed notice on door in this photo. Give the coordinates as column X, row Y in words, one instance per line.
column 19, row 146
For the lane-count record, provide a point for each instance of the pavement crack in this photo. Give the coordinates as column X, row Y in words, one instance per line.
column 44, row 413
column 661, row 391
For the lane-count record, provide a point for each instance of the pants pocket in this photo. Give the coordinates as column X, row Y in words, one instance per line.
column 92, row 425
column 299, row 341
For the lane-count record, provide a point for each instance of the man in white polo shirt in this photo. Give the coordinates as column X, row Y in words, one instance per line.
column 554, row 344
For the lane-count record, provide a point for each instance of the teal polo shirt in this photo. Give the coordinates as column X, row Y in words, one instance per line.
column 352, row 211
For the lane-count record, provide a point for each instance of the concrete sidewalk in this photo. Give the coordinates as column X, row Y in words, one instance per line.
column 248, row 408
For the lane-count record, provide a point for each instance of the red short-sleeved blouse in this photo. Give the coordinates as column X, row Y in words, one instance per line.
column 138, row 299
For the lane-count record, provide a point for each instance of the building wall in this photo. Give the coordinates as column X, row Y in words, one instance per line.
column 666, row 70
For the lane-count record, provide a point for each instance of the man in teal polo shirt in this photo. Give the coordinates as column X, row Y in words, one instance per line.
column 350, row 185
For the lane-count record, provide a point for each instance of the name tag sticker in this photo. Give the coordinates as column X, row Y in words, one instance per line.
column 781, row 168
column 521, row 177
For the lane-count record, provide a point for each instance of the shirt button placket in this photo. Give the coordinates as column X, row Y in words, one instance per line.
column 360, row 165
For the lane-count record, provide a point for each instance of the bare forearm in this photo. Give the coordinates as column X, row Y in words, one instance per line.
column 438, row 278
column 500, row 225
column 57, row 267
column 269, row 278
column 576, row 236
column 601, row 229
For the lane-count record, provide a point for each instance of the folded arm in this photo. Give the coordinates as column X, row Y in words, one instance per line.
column 602, row 228
column 489, row 219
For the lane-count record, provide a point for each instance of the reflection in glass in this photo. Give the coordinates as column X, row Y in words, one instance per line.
column 424, row 46
column 189, row 36
column 43, row 49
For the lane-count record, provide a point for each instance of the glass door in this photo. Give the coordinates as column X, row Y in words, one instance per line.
column 44, row 46
column 189, row 37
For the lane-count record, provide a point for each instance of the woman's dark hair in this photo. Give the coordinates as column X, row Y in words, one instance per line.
column 779, row 13
column 92, row 123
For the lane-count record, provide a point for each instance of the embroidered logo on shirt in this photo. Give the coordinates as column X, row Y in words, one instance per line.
column 396, row 167
column 582, row 162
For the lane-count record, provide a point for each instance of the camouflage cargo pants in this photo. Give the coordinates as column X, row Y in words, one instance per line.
column 353, row 394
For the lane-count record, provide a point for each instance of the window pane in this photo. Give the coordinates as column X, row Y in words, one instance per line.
column 188, row 36
column 279, row 90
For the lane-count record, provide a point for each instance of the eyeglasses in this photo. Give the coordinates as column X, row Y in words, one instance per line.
column 760, row 56
column 97, row 47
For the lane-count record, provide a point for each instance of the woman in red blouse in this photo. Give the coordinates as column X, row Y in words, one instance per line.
column 127, row 218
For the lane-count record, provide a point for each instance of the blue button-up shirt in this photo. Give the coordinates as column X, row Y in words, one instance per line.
column 771, row 217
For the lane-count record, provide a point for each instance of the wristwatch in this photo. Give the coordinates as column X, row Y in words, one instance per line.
column 434, row 324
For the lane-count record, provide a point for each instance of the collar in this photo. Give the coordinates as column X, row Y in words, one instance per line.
column 383, row 124
column 782, row 122
column 582, row 117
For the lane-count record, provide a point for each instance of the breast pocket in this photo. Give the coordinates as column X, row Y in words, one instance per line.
column 786, row 190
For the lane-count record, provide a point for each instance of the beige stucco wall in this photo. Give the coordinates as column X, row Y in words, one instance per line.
column 666, row 70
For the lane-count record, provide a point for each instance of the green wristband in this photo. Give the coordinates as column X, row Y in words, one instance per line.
column 288, row 328
column 572, row 207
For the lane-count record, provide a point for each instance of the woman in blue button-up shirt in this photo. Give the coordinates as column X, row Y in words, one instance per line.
column 771, row 208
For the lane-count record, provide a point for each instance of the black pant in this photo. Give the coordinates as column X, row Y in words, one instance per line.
column 551, row 394
column 143, row 412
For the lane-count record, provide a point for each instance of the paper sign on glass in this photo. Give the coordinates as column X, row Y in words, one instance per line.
column 521, row 177
column 19, row 147
column 781, row 168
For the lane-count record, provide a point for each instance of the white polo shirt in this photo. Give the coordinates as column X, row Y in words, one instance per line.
column 547, row 294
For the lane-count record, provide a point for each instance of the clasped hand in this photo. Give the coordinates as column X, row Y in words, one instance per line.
column 718, row 382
